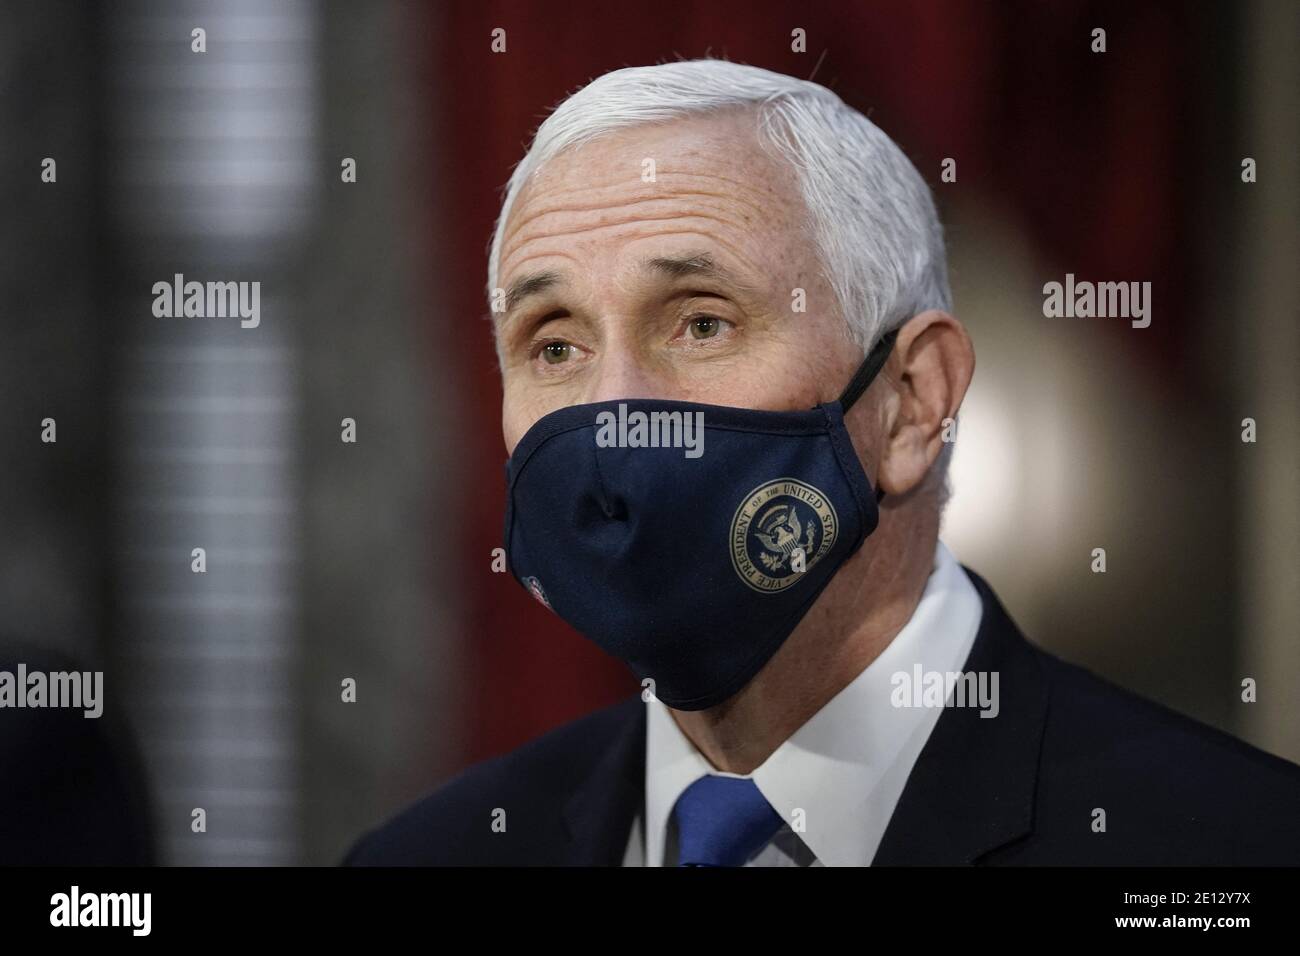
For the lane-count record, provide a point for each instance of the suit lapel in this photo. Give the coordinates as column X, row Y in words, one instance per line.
column 598, row 817
column 972, row 789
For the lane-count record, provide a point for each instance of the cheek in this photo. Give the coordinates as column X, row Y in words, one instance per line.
column 511, row 437
column 513, row 420
column 756, row 380
column 513, row 427
column 798, row 375
column 828, row 358
column 519, row 412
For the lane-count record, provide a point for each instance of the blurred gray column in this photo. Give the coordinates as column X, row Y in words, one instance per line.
column 212, row 175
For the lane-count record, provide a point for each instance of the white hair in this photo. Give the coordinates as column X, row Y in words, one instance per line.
column 878, row 237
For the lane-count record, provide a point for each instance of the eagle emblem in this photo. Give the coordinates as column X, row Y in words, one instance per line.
column 779, row 530
column 774, row 522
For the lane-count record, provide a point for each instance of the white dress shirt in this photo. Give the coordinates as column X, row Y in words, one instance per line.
column 845, row 768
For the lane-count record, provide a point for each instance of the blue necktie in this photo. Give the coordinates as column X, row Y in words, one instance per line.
column 722, row 821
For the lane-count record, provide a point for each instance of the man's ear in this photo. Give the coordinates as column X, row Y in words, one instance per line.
column 928, row 370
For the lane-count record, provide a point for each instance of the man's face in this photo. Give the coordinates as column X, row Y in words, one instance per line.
column 682, row 288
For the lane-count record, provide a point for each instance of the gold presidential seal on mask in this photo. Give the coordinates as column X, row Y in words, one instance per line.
column 781, row 529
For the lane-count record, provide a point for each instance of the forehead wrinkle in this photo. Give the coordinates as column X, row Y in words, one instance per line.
column 633, row 221
column 706, row 237
column 752, row 270
column 718, row 213
column 751, row 277
column 695, row 182
column 668, row 185
column 556, row 199
column 624, row 214
column 730, row 277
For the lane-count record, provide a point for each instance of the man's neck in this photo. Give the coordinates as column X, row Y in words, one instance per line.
column 866, row 604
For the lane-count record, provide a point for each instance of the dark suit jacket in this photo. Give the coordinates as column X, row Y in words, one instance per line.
column 1020, row 788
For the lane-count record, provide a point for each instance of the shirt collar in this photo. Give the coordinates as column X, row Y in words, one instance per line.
column 845, row 768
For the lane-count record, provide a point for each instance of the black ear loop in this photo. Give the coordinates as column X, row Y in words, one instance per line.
column 864, row 376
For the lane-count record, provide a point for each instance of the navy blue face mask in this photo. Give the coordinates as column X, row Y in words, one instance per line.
column 691, row 564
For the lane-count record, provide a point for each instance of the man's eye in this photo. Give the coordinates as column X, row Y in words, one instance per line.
column 556, row 352
column 705, row 326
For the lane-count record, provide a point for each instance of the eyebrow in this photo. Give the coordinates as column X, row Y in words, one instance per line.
column 691, row 264
column 528, row 285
